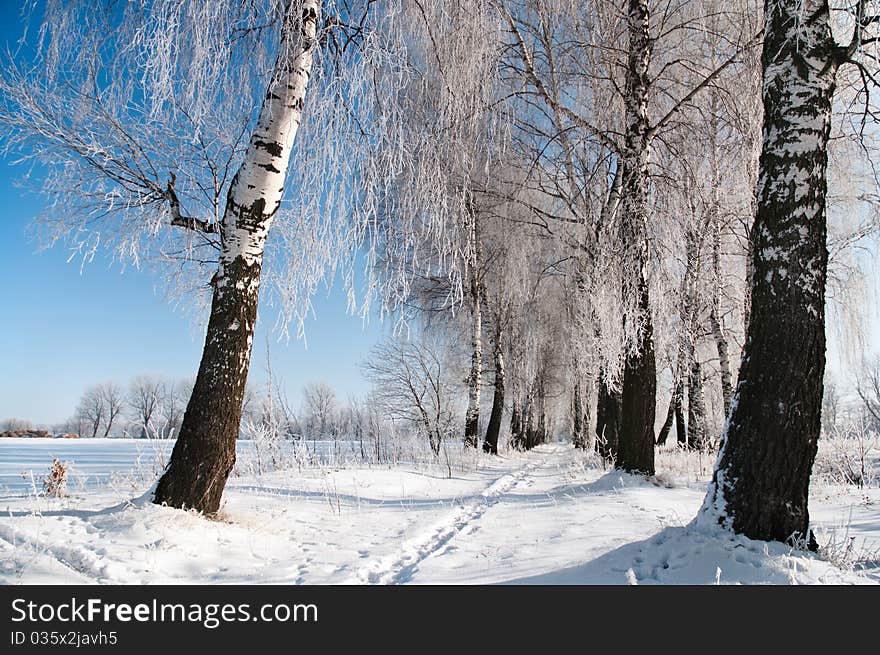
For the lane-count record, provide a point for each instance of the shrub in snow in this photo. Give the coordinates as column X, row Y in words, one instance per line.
column 55, row 484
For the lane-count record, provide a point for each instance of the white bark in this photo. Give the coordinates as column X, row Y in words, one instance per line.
column 258, row 186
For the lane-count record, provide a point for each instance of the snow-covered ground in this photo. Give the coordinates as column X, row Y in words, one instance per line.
column 553, row 515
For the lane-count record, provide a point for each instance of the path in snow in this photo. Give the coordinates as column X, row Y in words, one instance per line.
column 399, row 567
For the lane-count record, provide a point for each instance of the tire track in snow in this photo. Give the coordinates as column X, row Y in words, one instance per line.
column 399, row 567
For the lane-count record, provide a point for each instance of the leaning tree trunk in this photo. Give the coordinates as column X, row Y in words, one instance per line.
column 635, row 447
column 490, row 444
column 761, row 481
column 204, row 453
column 674, row 413
column 472, row 416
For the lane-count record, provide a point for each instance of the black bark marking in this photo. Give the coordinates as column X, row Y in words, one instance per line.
column 272, row 147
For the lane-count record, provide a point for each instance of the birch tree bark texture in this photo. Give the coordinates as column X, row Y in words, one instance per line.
column 204, row 453
column 761, row 481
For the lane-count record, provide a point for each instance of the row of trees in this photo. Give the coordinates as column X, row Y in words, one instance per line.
column 402, row 372
column 595, row 197
column 151, row 407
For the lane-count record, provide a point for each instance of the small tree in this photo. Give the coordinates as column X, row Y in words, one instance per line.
column 411, row 382
column 92, row 410
column 321, row 409
column 868, row 391
column 144, row 398
column 114, row 402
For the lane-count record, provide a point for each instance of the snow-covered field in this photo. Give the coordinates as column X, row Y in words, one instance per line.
column 553, row 515
column 96, row 463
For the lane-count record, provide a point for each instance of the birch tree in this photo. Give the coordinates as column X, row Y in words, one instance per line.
column 761, row 481
column 168, row 132
column 411, row 382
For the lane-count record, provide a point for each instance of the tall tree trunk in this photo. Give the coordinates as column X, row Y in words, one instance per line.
column 576, row 313
column 490, row 445
column 635, row 447
column 204, row 453
column 587, row 386
column 529, row 418
column 696, row 432
column 607, row 421
column 715, row 315
column 723, row 357
column 680, row 427
column 541, row 430
column 761, row 482
column 472, row 416
column 516, row 425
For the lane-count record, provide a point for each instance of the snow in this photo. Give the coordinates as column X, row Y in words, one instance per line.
column 550, row 516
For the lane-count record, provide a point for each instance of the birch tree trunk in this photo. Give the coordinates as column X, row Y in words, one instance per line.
column 635, row 444
column 715, row 315
column 690, row 315
column 718, row 327
column 583, row 381
column 490, row 444
column 204, row 453
column 761, row 480
column 680, row 426
column 529, row 417
column 472, row 416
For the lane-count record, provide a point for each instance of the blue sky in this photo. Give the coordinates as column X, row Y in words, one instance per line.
column 65, row 328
